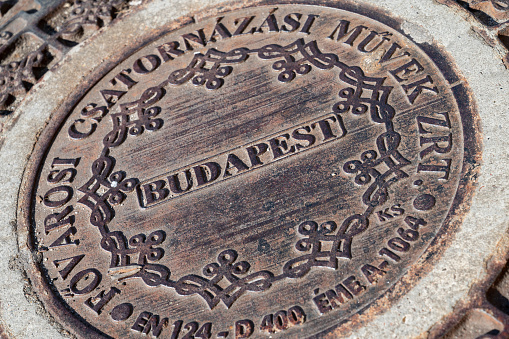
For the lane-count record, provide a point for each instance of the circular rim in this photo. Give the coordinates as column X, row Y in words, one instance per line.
column 436, row 249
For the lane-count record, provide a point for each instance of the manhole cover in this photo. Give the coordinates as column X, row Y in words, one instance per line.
column 273, row 170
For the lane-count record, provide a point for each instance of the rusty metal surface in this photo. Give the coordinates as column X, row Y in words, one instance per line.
column 272, row 171
column 36, row 34
column 494, row 11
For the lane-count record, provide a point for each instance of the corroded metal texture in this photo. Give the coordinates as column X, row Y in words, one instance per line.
column 279, row 170
column 36, row 34
column 496, row 11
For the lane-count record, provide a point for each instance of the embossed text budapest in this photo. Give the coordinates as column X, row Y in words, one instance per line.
column 270, row 171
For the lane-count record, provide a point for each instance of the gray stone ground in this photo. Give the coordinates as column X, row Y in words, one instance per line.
column 481, row 235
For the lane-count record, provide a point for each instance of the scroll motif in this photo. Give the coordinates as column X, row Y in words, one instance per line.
column 116, row 187
column 124, row 266
column 228, row 271
column 135, row 117
column 227, row 280
column 209, row 69
column 369, row 94
column 322, row 245
column 122, row 250
column 316, row 238
column 292, row 64
column 366, row 94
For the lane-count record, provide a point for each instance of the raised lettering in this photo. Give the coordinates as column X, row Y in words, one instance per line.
column 65, row 239
column 280, row 147
column 354, row 286
column 56, row 220
column 199, row 39
column 293, row 20
column 65, row 175
column 65, row 162
column 325, row 128
column 176, row 185
column 243, row 329
column 397, row 210
column 233, row 162
column 270, row 22
column 148, row 322
column 99, row 301
column 91, row 278
column 242, row 25
column 305, row 136
column 255, row 152
column 384, row 215
column 372, row 273
column 71, row 264
column 52, row 200
column 155, row 192
column 369, row 39
column 170, row 50
column 342, row 31
column 322, row 303
column 124, row 79
column 220, row 31
column 338, row 296
column 111, row 97
column 418, row 87
column 309, row 22
column 146, row 64
column 75, row 134
column 207, row 173
column 446, row 122
column 389, row 254
column 436, row 147
column 437, row 168
column 409, row 69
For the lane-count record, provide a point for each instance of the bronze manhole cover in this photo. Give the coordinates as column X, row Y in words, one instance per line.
column 267, row 171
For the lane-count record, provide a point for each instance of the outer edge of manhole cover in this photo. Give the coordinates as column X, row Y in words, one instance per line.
column 462, row 263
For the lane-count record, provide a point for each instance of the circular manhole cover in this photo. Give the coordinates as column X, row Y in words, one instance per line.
column 271, row 170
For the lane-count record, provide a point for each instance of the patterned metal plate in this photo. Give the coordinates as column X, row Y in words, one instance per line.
column 277, row 170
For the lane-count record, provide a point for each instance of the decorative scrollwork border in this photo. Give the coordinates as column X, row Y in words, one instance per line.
column 362, row 96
